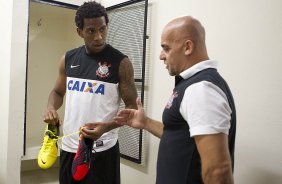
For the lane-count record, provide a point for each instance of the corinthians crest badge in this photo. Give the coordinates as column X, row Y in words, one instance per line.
column 103, row 70
column 170, row 101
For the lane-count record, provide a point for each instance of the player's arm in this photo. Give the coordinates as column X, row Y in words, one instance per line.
column 138, row 119
column 215, row 158
column 126, row 87
column 56, row 96
column 128, row 94
column 154, row 127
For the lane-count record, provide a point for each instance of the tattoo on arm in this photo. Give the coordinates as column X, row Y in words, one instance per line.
column 127, row 87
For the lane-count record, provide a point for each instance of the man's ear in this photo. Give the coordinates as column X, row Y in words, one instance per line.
column 79, row 32
column 189, row 47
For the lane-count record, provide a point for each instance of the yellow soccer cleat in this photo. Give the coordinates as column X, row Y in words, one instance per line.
column 49, row 150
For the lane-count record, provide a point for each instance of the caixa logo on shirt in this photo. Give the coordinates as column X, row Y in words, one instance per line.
column 87, row 87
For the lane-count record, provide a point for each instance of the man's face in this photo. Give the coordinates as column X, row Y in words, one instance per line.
column 94, row 33
column 172, row 52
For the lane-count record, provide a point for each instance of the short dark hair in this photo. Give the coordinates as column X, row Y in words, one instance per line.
column 90, row 9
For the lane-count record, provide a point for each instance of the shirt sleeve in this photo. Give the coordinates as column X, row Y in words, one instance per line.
column 205, row 107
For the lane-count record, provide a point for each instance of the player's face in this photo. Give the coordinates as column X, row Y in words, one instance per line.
column 94, row 33
column 172, row 53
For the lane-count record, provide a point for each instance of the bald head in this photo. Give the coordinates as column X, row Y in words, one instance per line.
column 183, row 44
column 188, row 28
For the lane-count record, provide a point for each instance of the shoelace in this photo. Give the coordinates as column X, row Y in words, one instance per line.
column 48, row 144
column 60, row 138
column 51, row 134
column 54, row 137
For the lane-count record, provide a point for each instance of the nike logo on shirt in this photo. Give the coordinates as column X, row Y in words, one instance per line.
column 74, row 66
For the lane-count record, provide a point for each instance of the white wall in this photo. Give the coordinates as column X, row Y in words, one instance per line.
column 5, row 51
column 13, row 62
column 244, row 36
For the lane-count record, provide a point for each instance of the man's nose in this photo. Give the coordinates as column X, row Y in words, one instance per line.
column 162, row 56
column 98, row 36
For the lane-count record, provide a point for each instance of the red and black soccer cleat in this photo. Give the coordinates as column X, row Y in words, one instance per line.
column 81, row 161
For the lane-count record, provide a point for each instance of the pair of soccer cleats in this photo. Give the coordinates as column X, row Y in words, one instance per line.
column 49, row 151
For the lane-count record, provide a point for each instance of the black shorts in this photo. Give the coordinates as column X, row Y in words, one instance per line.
column 104, row 167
